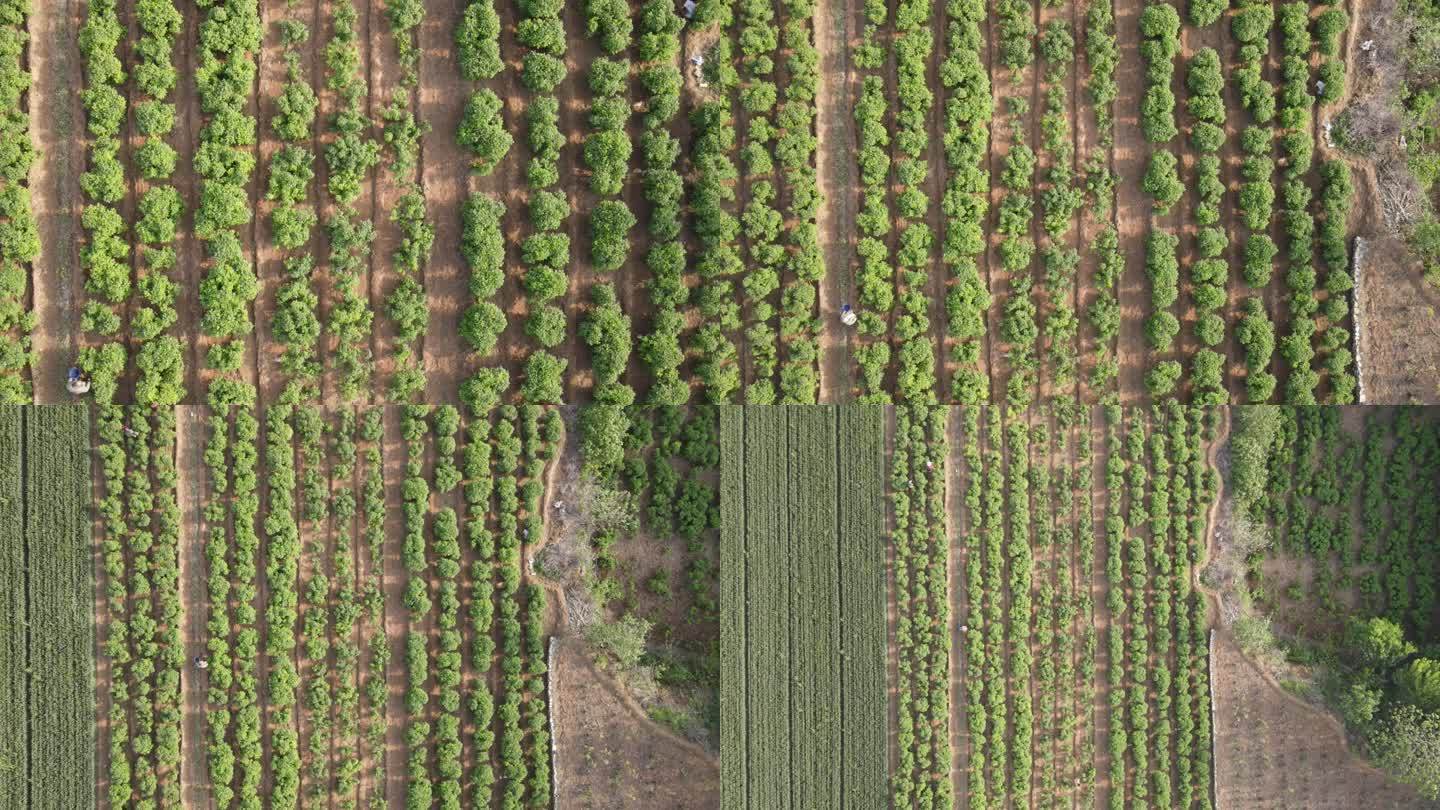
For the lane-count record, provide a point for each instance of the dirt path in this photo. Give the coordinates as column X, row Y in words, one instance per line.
column 393, row 589
column 574, row 94
column 442, row 102
column 56, row 280
column 190, row 438
column 1105, row 674
column 956, row 528
column 383, row 62
column 1134, row 206
column 835, row 170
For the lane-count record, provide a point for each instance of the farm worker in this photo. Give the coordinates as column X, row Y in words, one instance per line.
column 847, row 315
column 129, row 431
column 201, row 663
column 78, row 382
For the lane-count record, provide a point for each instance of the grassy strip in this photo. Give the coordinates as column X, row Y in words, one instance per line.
column 863, row 707
column 60, row 618
column 734, row 725
column 14, row 712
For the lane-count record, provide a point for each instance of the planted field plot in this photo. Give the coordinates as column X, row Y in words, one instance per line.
column 1083, row 640
column 1325, row 568
column 617, row 200
column 304, row 606
column 47, row 707
column 1046, row 643
column 368, row 634
column 803, row 691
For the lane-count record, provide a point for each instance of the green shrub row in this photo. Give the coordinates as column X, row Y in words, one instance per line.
column 967, row 114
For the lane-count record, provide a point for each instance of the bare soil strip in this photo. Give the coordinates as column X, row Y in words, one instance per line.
column 574, row 94
column 56, row 120
column 190, row 438
column 615, row 756
column 835, row 170
column 1274, row 751
column 442, row 101
column 393, row 588
column 385, row 76
column 1131, row 152
column 189, row 255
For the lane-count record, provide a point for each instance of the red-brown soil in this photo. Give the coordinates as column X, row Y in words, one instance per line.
column 190, row 438
column 610, row 755
column 1135, row 207
column 835, row 173
column 382, row 62
column 396, row 625
column 1399, row 344
column 444, row 164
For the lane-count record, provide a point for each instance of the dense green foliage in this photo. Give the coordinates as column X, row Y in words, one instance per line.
column 47, row 712
column 837, row 510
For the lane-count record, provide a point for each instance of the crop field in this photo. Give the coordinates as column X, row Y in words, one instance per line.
column 1350, row 496
column 803, row 598
column 1058, row 201
column 47, row 730
column 1046, row 643
column 1082, row 653
column 375, row 638
column 370, row 592
column 407, row 329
